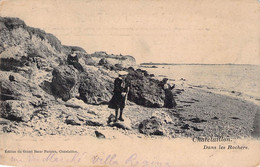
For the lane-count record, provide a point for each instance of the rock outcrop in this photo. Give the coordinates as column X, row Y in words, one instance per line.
column 20, row 88
column 95, row 87
column 104, row 58
column 151, row 126
column 144, row 90
column 26, row 46
column 41, row 58
column 16, row 110
column 64, row 78
column 38, row 82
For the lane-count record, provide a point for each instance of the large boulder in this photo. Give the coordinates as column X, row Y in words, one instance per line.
column 95, row 87
column 16, row 110
column 152, row 126
column 144, row 90
column 64, row 78
column 13, row 86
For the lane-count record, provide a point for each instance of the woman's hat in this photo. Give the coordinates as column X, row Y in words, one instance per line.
column 73, row 55
column 122, row 73
column 165, row 79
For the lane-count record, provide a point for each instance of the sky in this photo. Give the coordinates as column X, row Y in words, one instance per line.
column 169, row 31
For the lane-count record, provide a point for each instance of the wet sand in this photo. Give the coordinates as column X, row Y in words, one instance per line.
column 211, row 114
column 256, row 126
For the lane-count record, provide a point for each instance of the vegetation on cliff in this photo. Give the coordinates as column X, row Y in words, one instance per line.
column 36, row 77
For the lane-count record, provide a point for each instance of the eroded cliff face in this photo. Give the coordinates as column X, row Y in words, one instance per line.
column 22, row 46
column 32, row 55
column 44, row 87
column 36, row 76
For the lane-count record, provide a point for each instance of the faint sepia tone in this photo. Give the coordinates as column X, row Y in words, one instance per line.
column 130, row 83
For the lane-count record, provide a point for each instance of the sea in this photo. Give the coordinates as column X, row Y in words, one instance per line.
column 233, row 80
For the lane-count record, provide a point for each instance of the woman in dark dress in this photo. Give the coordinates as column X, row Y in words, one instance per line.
column 73, row 59
column 120, row 96
column 169, row 101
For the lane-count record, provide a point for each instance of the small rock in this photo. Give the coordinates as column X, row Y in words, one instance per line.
column 196, row 129
column 7, row 129
column 121, row 125
column 72, row 105
column 4, row 121
column 100, row 135
column 92, row 112
column 197, row 120
column 102, row 61
column 186, row 126
column 11, row 78
column 111, row 118
column 164, row 117
column 93, row 123
column 36, row 95
column 125, row 125
column 73, row 120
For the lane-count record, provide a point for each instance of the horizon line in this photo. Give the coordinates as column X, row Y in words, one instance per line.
column 151, row 63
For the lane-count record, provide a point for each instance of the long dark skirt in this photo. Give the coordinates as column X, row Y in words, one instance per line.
column 169, row 101
column 117, row 101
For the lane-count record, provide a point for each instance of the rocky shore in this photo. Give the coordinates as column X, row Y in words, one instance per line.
column 43, row 92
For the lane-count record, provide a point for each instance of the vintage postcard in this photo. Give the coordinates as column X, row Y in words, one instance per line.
column 131, row 83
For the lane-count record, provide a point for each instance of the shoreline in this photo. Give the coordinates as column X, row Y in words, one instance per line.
column 255, row 127
column 217, row 115
column 199, row 113
column 232, row 93
column 238, row 95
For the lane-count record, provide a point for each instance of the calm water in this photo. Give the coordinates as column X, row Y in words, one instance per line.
column 243, row 79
